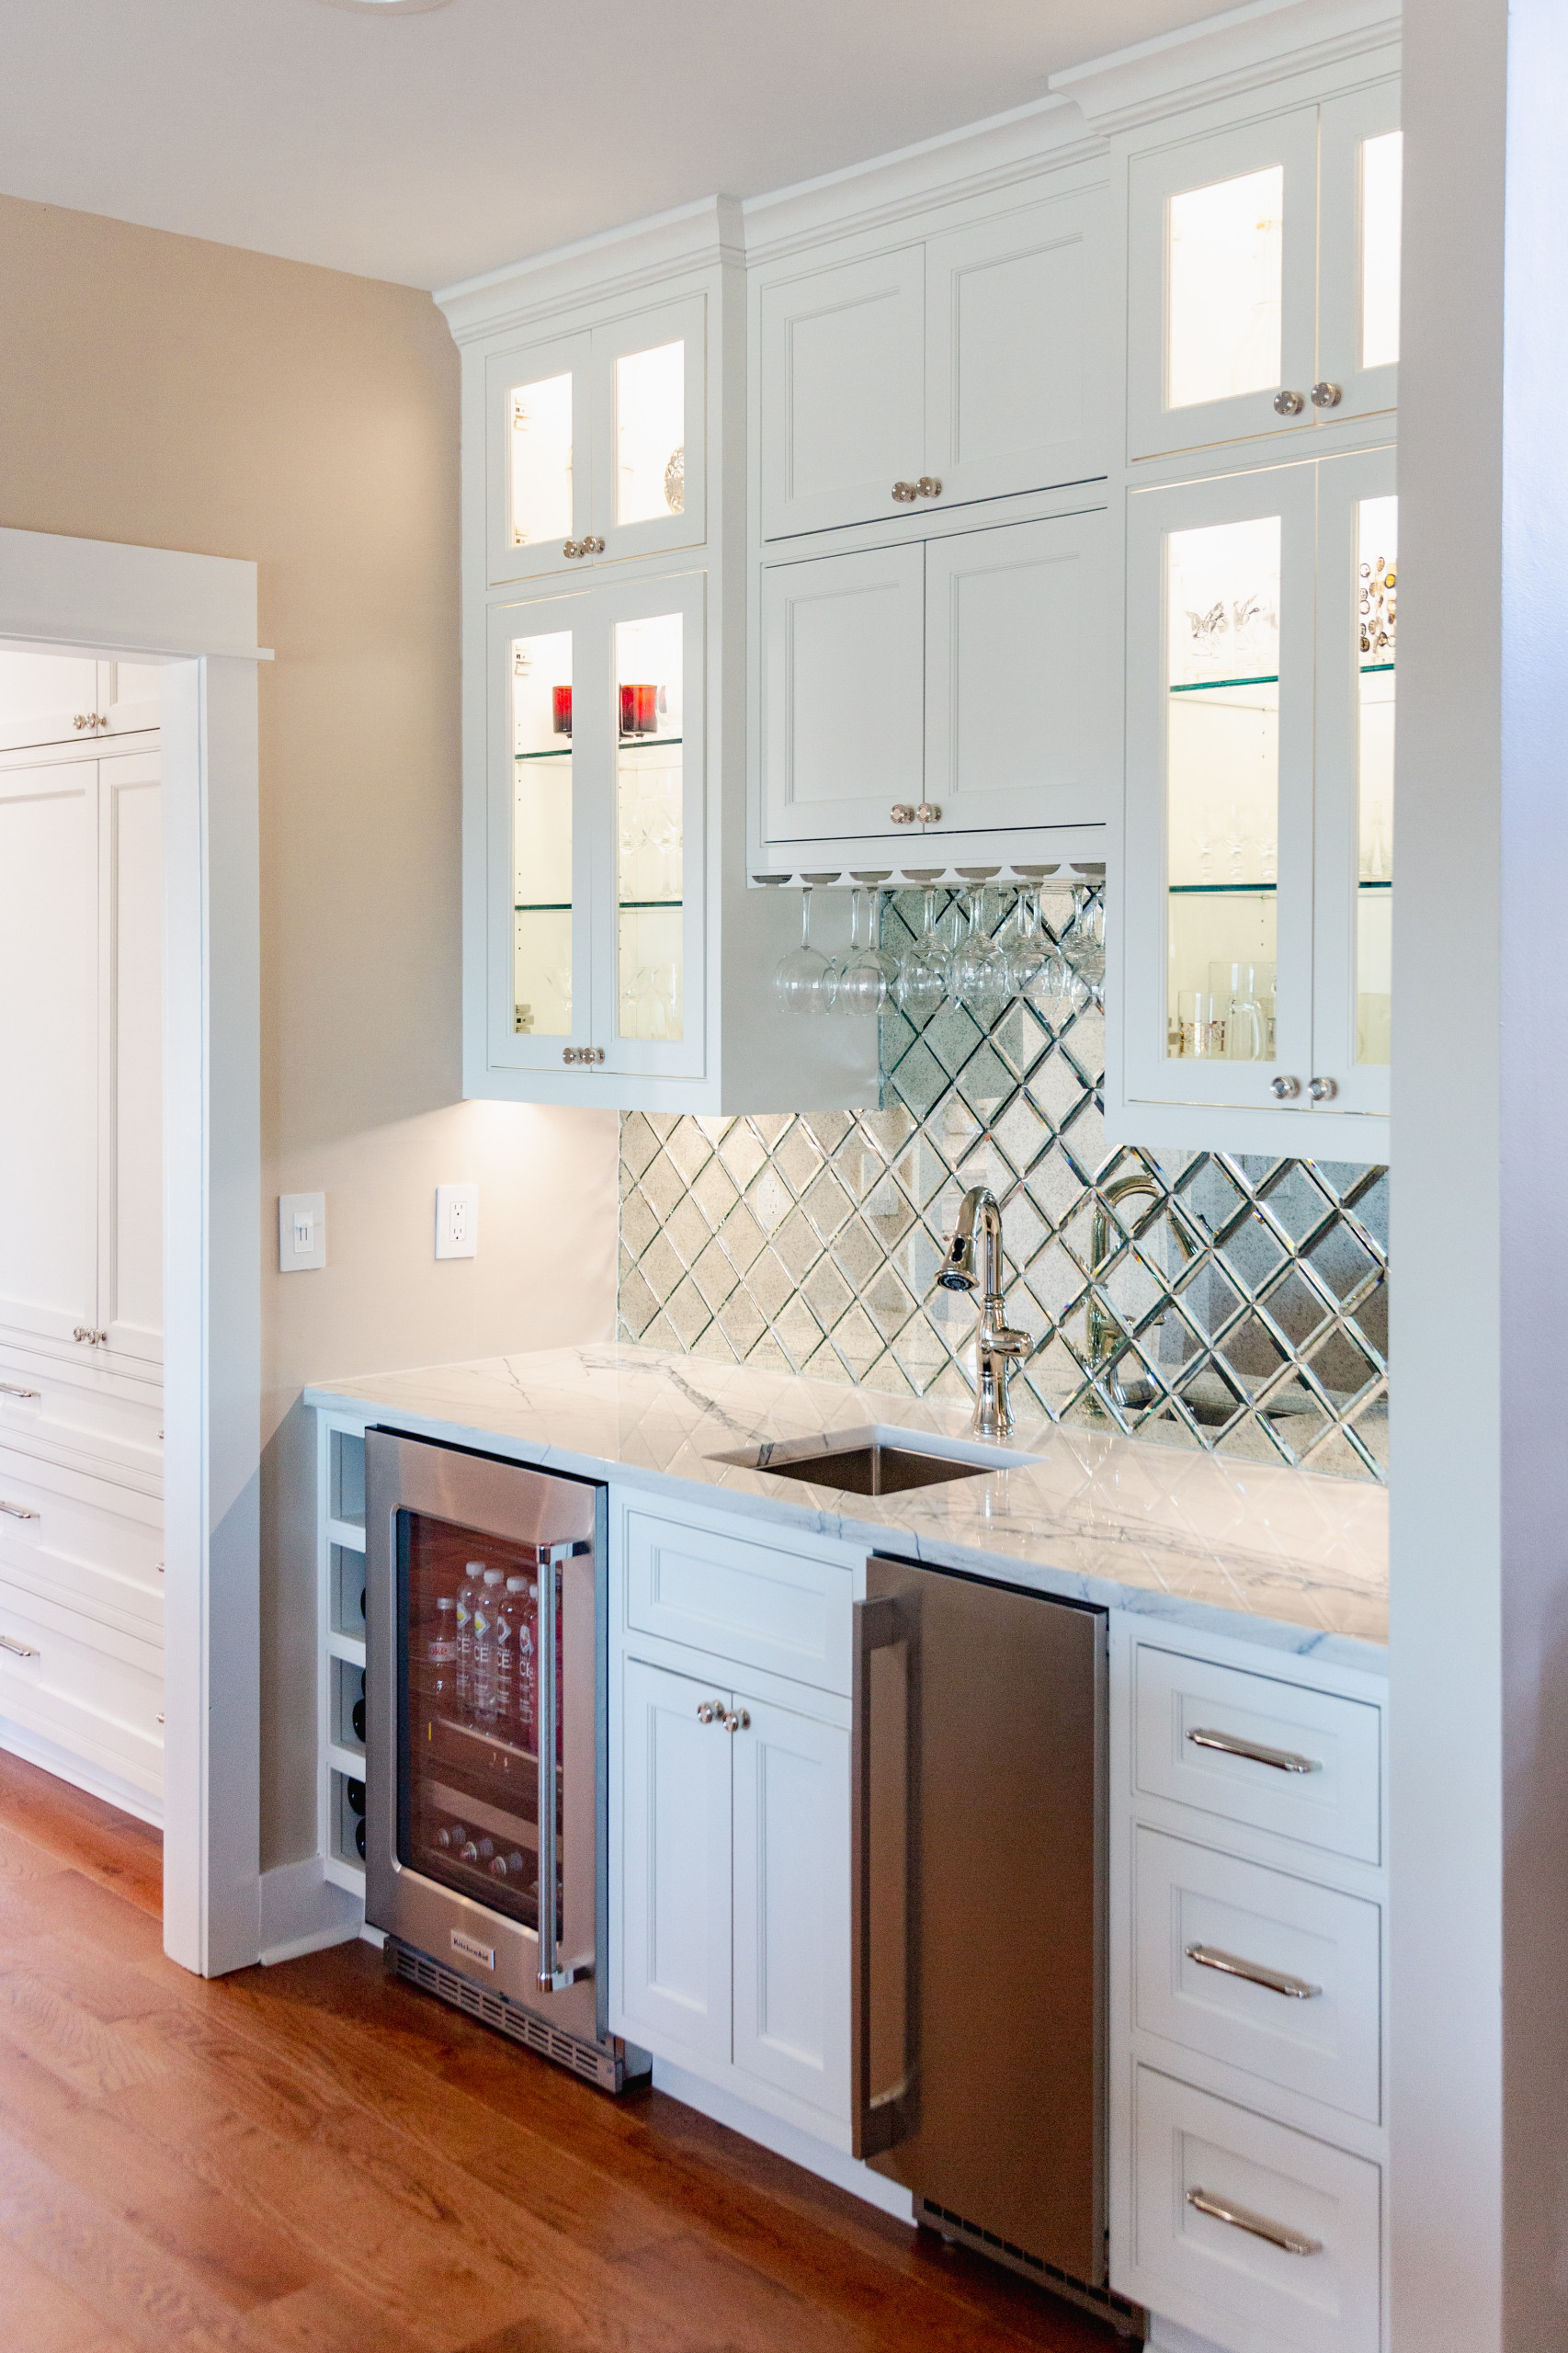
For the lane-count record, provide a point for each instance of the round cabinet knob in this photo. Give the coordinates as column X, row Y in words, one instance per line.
column 930, row 486
column 573, row 547
column 1327, row 395
column 901, row 813
column 1283, row 1089
column 1322, row 1090
column 737, row 1719
column 906, row 492
column 1289, row 403
column 706, row 1711
column 592, row 546
column 81, row 720
column 929, row 813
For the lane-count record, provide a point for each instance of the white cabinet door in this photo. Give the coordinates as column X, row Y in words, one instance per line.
column 1019, row 719
column 843, row 692
column 131, row 1207
column 47, row 698
column 1222, row 293
column 648, row 379
column 49, row 1047
column 843, row 392
column 1015, row 334
column 130, row 697
column 791, row 1896
column 676, row 1882
column 538, row 489
column 1361, row 158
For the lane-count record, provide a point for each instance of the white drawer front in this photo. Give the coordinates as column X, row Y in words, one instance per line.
column 1315, row 1770
column 784, row 1611
column 1221, row 2277
column 89, row 1544
column 83, row 1414
column 1202, row 1920
column 97, row 1693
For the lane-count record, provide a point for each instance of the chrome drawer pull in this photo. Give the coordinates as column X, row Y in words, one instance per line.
column 1279, row 1980
column 1284, row 1760
column 19, row 1650
column 18, row 1511
column 1242, row 2218
column 9, row 1389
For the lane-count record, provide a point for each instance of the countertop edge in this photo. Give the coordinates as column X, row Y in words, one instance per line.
column 1281, row 1635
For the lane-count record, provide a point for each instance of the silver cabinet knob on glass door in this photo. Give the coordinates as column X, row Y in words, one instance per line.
column 1327, row 395
column 573, row 547
column 928, row 486
column 1283, row 1089
column 929, row 813
column 1322, row 1090
column 906, row 492
column 592, row 545
column 1289, row 403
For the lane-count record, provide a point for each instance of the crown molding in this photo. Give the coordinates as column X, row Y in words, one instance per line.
column 612, row 263
column 991, row 153
column 1223, row 56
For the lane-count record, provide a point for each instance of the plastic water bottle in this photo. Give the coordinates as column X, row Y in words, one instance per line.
column 486, row 1610
column 469, row 1591
column 527, row 1668
column 507, row 1618
column 442, row 1651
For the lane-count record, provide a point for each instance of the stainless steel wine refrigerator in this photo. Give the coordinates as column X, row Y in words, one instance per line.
column 486, row 1749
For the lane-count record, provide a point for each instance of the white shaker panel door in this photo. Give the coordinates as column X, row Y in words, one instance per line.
column 130, row 695
column 843, row 393
column 791, row 1864
column 843, row 689
column 1015, row 392
column 1020, row 724
column 47, row 698
column 49, row 1047
column 676, row 1865
column 131, row 1195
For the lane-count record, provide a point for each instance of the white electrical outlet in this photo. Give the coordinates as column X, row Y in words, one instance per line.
column 457, row 1221
column 301, row 1232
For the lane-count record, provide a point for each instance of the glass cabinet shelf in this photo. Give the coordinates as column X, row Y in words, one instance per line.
column 542, row 907
column 1247, row 890
column 628, row 743
column 1265, row 678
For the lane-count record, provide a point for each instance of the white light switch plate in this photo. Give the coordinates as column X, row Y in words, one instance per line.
column 457, row 1221
column 301, row 1232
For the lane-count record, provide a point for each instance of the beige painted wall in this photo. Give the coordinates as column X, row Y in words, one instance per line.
column 174, row 393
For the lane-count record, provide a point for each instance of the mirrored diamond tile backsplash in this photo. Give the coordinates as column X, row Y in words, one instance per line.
column 1240, row 1304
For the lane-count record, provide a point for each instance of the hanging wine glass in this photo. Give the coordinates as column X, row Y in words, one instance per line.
column 922, row 983
column 865, row 975
column 839, row 965
column 1083, row 942
column 1057, row 993
column 799, row 981
column 978, row 972
column 1029, row 949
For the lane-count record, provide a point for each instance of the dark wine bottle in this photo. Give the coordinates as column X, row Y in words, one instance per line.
column 357, row 1796
column 360, row 1837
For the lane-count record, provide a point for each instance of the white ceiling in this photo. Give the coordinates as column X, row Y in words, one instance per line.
column 426, row 148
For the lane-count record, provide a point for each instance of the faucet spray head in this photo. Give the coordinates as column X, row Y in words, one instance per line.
column 958, row 1268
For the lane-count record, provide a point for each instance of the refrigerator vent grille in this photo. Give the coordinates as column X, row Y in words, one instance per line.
column 1128, row 2318
column 607, row 2068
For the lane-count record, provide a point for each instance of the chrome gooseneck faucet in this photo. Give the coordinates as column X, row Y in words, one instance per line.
column 999, row 1349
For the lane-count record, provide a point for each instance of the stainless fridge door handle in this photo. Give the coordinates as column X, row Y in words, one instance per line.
column 876, row 2119
column 1242, row 2218
column 1228, row 1743
column 554, row 1974
column 1277, row 1980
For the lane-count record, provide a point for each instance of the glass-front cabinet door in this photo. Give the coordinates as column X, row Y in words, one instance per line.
column 594, row 942
column 597, row 444
column 1260, row 767
column 1263, row 266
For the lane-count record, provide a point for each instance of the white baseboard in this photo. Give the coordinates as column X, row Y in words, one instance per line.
column 303, row 1912
column 96, row 1780
column 786, row 2141
column 370, row 1936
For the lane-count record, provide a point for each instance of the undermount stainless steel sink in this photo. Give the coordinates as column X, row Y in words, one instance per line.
column 870, row 1462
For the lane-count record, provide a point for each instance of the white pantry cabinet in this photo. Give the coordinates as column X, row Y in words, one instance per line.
column 1258, row 879
column 1262, row 273
column 734, row 1937
column 957, row 365
column 595, row 443
column 956, row 686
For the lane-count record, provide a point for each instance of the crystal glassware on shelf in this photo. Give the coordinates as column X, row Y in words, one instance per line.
column 1083, row 942
column 862, row 982
column 978, row 974
column 839, row 965
column 801, row 978
column 1028, row 945
column 922, row 984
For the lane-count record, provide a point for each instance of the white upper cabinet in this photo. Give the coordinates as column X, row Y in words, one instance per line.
column 945, row 688
column 1260, row 856
column 595, row 444
column 1263, row 275
column 73, row 698
column 966, row 366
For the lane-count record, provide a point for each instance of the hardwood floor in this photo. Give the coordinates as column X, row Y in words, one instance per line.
column 312, row 2159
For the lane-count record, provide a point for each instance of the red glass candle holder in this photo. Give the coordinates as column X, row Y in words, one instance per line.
column 561, row 709
column 639, row 710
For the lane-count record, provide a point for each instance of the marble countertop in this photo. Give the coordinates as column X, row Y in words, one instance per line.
column 1287, row 1559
